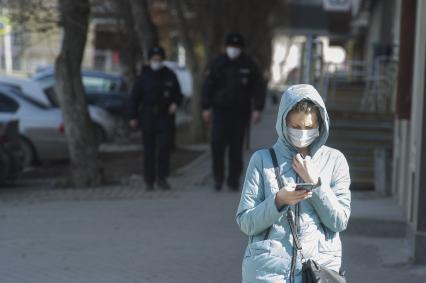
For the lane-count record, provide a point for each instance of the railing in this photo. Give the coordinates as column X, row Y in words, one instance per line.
column 380, row 85
column 379, row 78
column 349, row 72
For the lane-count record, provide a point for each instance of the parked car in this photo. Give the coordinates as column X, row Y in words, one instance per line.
column 41, row 126
column 109, row 91
column 11, row 155
column 104, row 90
column 27, row 86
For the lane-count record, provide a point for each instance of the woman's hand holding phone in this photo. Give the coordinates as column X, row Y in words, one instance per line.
column 290, row 196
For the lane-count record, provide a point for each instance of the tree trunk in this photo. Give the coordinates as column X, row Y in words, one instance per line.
column 214, row 15
column 255, row 23
column 130, row 50
column 128, row 63
column 85, row 167
column 197, row 126
column 144, row 27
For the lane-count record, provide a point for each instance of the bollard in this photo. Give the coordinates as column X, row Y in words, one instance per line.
column 382, row 169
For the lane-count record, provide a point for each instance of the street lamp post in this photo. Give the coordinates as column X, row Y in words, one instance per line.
column 5, row 32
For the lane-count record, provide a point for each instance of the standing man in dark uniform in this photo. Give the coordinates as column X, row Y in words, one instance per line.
column 233, row 94
column 154, row 100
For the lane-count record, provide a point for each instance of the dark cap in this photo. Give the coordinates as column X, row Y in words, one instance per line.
column 234, row 39
column 156, row 50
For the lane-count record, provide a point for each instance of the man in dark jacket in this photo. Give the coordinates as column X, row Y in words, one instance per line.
column 154, row 100
column 233, row 93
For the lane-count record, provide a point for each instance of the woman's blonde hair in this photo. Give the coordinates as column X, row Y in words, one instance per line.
column 307, row 106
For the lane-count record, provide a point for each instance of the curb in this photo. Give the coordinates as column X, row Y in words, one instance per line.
column 376, row 228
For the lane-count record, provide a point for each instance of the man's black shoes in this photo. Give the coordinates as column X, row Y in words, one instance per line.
column 231, row 187
column 149, row 187
column 163, row 184
column 234, row 188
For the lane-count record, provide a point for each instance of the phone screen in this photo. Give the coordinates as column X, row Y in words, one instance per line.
column 304, row 186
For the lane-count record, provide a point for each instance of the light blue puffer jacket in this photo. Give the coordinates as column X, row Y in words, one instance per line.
column 322, row 216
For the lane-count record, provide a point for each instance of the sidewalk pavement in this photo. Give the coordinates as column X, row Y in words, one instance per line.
column 374, row 245
column 124, row 234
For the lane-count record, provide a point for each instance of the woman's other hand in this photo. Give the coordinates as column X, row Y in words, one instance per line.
column 172, row 108
column 289, row 196
column 133, row 123
column 255, row 117
column 305, row 169
column 206, row 116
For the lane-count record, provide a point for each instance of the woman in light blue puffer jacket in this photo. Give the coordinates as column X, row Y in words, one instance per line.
column 302, row 127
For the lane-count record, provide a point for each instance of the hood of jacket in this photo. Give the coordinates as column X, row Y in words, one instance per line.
column 289, row 99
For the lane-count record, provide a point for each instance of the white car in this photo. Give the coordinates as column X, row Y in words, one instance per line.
column 41, row 123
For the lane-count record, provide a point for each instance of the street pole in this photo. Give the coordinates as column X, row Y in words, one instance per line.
column 8, row 50
column 5, row 31
column 308, row 55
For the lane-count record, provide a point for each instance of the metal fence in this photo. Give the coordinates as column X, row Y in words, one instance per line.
column 379, row 79
column 381, row 85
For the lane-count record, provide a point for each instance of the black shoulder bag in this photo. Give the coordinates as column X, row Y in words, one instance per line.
column 312, row 272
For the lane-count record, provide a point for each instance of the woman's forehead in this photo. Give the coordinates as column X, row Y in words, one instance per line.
column 302, row 117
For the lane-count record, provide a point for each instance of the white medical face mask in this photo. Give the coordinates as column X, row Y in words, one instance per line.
column 302, row 138
column 155, row 65
column 233, row 52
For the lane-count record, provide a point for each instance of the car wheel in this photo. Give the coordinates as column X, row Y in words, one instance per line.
column 100, row 135
column 28, row 151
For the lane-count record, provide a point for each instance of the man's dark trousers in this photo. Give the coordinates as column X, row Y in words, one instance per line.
column 228, row 131
column 157, row 137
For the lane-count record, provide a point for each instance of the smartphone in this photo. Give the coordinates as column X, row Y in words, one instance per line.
column 305, row 186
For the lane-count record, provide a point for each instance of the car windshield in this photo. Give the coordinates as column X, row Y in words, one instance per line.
column 91, row 84
column 46, row 80
column 98, row 84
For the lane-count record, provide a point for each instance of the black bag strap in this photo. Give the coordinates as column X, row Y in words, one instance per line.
column 290, row 219
column 279, row 180
column 297, row 245
column 290, row 214
column 276, row 168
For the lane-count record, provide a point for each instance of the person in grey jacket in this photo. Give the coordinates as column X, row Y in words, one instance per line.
column 302, row 127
